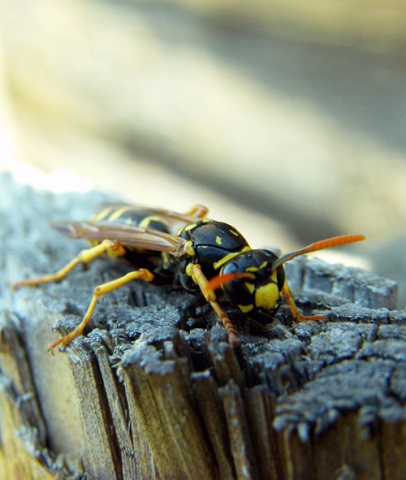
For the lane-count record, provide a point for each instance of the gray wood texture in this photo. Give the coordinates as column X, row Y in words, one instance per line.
column 154, row 391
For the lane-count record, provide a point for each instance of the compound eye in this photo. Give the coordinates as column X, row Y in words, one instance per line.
column 280, row 275
column 230, row 267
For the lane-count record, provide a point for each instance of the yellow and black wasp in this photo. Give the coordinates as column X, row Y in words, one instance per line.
column 200, row 254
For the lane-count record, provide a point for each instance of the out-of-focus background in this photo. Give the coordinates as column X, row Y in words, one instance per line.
column 286, row 118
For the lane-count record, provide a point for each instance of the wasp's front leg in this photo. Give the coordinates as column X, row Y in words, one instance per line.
column 297, row 315
column 210, row 297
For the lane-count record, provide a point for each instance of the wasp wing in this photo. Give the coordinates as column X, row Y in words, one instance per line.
column 196, row 213
column 174, row 220
column 127, row 235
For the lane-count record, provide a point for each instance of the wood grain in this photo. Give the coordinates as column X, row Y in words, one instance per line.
column 153, row 391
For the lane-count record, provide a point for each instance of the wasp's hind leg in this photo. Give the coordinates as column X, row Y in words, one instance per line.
column 210, row 297
column 297, row 315
column 99, row 291
column 85, row 256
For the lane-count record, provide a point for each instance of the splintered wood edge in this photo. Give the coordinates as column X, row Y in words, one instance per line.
column 138, row 407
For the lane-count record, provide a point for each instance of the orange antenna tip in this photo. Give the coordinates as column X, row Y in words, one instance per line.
column 316, row 246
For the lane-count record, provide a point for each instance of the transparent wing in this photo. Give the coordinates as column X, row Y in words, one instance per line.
column 174, row 220
column 127, row 235
column 196, row 213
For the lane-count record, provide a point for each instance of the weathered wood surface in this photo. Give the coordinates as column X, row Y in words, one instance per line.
column 153, row 390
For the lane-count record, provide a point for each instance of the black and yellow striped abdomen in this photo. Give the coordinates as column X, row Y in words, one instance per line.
column 158, row 262
column 131, row 215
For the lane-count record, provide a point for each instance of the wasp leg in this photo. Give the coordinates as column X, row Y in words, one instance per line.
column 199, row 211
column 99, row 291
column 85, row 256
column 297, row 315
column 210, row 297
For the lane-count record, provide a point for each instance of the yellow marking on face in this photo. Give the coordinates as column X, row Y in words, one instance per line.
column 245, row 308
column 255, row 269
column 218, row 240
column 267, row 296
column 233, row 232
column 117, row 214
column 228, row 257
column 250, row 286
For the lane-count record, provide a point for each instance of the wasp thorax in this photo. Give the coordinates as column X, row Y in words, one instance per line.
column 260, row 290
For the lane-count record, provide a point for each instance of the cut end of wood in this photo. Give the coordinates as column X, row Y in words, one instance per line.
column 154, row 390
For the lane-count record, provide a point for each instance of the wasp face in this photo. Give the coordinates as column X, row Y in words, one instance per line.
column 260, row 290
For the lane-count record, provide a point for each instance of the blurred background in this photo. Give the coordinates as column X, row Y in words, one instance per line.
column 286, row 118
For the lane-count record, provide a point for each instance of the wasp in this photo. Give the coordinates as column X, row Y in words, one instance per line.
column 191, row 250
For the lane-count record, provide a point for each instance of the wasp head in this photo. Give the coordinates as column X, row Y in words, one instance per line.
column 250, row 283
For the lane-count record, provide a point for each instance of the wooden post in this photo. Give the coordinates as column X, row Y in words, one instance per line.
column 154, row 391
